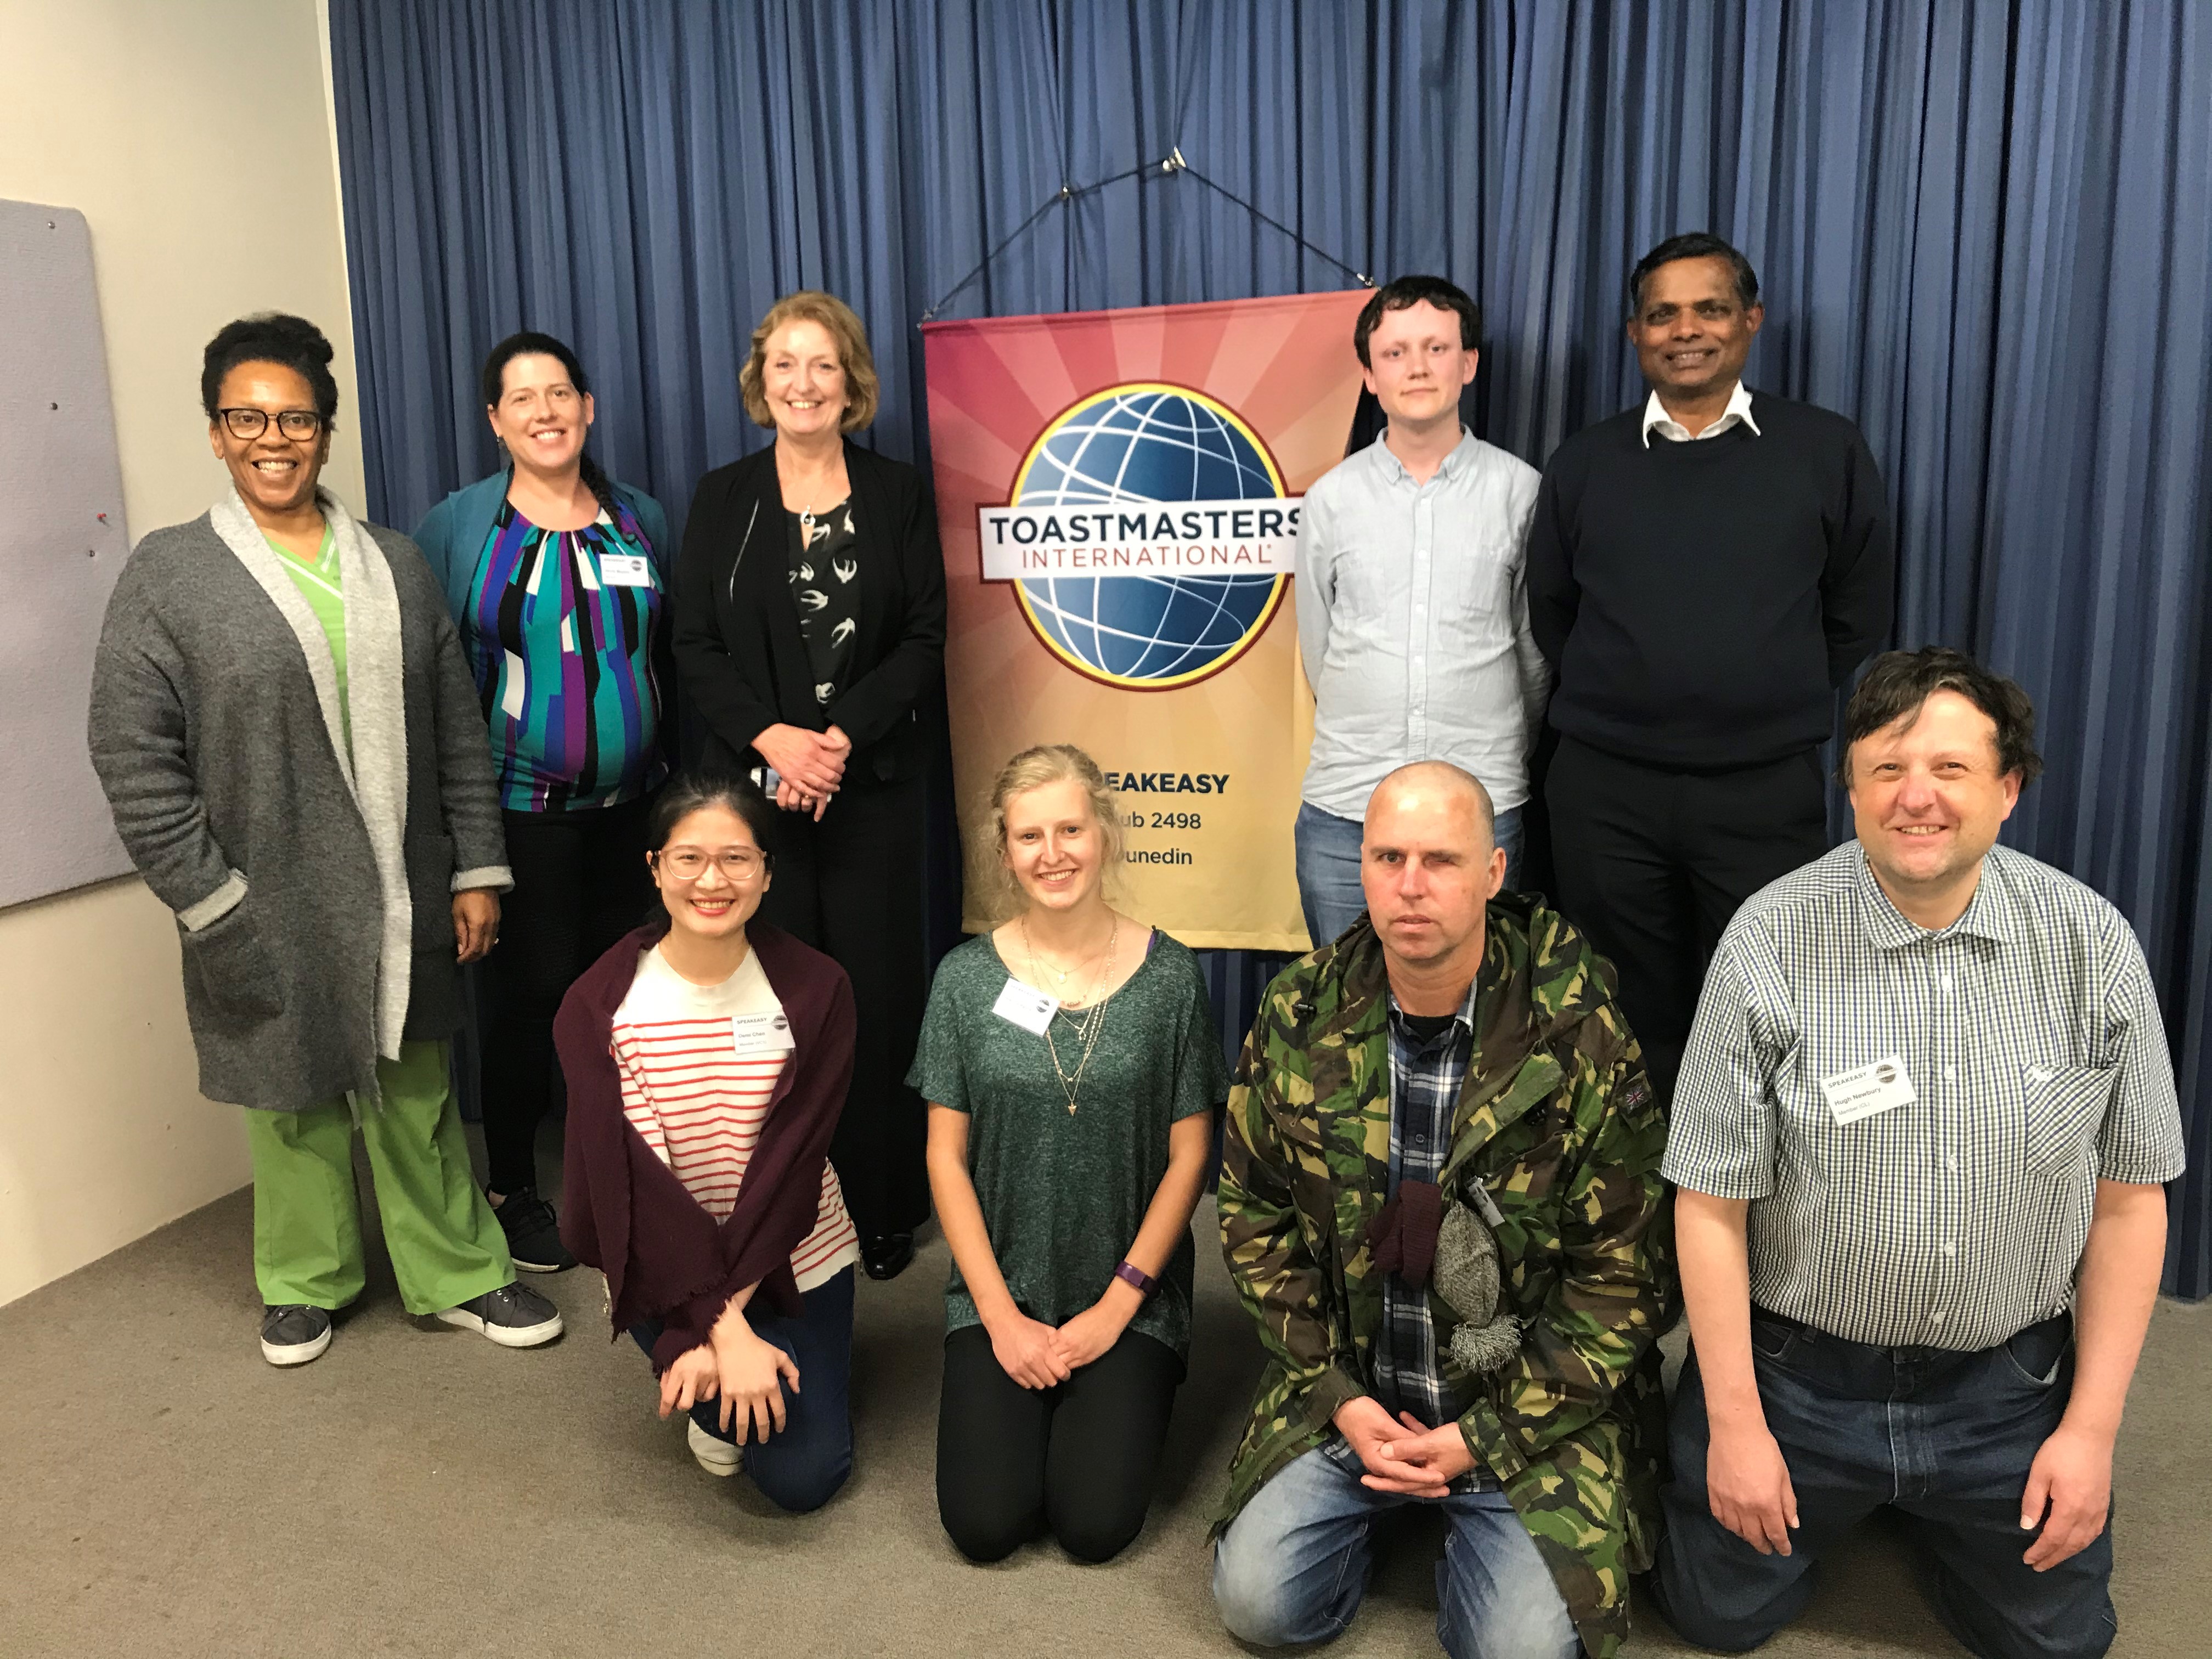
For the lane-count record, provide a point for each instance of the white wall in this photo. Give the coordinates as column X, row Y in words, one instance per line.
column 195, row 136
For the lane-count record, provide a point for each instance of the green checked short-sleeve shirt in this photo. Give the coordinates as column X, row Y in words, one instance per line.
column 2021, row 1060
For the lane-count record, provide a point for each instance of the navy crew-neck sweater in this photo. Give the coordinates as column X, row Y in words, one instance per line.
column 1702, row 601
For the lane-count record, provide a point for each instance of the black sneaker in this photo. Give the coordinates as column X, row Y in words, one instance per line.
column 533, row 1236
column 886, row 1256
column 511, row 1316
column 294, row 1334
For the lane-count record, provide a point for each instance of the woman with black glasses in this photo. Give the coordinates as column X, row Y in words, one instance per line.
column 283, row 724
column 556, row 577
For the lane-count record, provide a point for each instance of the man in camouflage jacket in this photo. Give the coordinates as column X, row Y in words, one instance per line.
column 1555, row 1141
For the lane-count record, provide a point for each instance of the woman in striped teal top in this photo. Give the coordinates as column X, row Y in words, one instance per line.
column 560, row 629
column 557, row 579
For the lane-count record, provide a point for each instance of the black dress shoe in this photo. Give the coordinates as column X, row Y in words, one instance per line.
column 885, row 1255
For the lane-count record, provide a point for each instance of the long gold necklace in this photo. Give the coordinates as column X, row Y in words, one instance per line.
column 1087, row 1028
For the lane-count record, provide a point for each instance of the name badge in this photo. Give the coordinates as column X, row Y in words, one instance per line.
column 1030, row 1009
column 625, row 570
column 1864, row 1091
column 761, row 1034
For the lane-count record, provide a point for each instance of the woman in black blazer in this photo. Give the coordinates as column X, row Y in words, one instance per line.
column 810, row 634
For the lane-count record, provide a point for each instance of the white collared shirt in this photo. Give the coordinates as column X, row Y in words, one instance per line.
column 1738, row 412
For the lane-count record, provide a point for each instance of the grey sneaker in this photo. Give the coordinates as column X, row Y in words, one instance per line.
column 722, row 1458
column 294, row 1334
column 511, row 1316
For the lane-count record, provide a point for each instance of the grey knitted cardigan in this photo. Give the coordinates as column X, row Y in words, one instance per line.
column 312, row 886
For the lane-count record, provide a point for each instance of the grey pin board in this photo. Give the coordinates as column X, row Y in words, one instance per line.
column 62, row 546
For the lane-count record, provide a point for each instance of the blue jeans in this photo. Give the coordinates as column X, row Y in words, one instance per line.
column 1293, row 1566
column 801, row 1468
column 1944, row 1437
column 1328, row 867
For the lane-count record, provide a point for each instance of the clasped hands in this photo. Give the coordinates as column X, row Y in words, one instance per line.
column 1402, row 1455
column 1040, row 1355
column 744, row 1370
column 809, row 765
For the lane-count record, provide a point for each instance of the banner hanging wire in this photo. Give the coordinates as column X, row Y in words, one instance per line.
column 1173, row 165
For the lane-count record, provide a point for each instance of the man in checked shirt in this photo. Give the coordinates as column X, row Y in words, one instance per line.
column 1920, row 1137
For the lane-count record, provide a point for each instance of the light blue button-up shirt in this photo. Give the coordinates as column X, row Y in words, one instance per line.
column 1413, row 623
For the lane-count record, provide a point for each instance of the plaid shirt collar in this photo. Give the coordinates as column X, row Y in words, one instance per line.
column 1989, row 914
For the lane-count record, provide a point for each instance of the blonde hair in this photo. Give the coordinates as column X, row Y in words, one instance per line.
column 862, row 389
column 1048, row 763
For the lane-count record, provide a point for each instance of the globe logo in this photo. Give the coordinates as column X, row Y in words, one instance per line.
column 1204, row 580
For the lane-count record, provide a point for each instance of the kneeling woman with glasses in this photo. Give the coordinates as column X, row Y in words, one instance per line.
column 1071, row 1068
column 707, row 1057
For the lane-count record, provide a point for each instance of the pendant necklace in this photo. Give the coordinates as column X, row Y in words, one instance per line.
column 806, row 518
column 1087, row 1027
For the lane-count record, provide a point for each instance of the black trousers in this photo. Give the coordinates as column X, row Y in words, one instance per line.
column 580, row 884
column 851, row 887
column 1651, row 864
column 1077, row 1459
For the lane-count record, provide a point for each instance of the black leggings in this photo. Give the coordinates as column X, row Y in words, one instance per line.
column 1078, row 1458
column 580, row 884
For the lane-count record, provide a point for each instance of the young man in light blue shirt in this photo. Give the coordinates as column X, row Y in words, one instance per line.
column 1413, row 618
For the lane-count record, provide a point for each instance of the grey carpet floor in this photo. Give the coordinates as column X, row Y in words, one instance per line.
column 419, row 1491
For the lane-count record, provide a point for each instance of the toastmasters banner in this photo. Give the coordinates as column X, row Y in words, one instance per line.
column 1118, row 493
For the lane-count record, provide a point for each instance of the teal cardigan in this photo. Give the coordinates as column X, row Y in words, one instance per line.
column 452, row 535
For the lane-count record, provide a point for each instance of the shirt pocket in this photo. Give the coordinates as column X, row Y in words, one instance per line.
column 1473, row 581
column 2065, row 1107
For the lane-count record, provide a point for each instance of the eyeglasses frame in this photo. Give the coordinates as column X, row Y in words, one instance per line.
column 282, row 415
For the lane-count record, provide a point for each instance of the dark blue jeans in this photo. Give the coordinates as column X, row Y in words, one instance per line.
column 802, row 1467
column 1945, row 1438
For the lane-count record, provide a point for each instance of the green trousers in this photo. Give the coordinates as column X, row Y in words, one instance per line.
column 446, row 1246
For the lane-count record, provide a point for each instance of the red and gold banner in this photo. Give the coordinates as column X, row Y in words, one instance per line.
column 1118, row 493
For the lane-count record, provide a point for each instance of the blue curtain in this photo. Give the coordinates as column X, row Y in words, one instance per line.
column 1981, row 226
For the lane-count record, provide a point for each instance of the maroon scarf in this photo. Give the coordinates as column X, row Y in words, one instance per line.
column 625, row 1213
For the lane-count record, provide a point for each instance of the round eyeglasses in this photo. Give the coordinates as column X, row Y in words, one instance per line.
column 297, row 424
column 689, row 863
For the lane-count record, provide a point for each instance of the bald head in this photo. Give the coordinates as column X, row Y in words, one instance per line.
column 1428, row 866
column 1442, row 783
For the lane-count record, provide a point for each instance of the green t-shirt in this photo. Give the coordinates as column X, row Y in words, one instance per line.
column 319, row 583
column 1064, row 1194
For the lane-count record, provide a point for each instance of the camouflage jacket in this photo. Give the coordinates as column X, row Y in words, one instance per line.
column 1558, row 1121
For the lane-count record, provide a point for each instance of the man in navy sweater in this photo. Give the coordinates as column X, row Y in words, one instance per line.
column 1704, row 573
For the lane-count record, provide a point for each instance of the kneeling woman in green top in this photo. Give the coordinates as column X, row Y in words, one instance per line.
column 1071, row 1064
